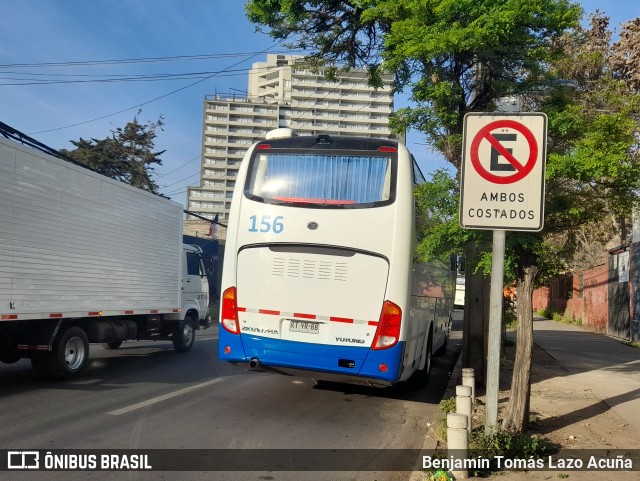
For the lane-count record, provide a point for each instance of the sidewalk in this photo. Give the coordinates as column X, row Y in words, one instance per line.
column 597, row 363
column 585, row 395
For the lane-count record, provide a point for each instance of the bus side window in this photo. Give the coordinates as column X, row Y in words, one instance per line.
column 418, row 176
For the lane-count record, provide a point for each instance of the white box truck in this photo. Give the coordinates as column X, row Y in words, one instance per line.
column 88, row 259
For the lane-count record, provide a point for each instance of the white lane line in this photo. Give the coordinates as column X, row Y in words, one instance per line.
column 164, row 397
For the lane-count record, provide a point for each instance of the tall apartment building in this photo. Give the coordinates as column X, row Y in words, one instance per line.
column 281, row 93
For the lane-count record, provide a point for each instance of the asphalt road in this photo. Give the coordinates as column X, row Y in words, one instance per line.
column 146, row 396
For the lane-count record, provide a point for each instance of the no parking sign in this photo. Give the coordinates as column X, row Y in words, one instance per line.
column 503, row 171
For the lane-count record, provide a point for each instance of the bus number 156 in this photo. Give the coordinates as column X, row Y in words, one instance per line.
column 266, row 224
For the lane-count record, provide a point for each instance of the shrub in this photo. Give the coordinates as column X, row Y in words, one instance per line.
column 511, row 446
column 544, row 313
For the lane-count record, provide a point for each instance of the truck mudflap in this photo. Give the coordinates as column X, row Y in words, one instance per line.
column 365, row 362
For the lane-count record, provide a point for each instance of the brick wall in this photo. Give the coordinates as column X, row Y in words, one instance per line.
column 583, row 295
column 592, row 305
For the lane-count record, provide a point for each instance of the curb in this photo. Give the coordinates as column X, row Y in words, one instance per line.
column 431, row 441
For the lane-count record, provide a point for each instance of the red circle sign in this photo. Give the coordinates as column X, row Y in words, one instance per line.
column 522, row 169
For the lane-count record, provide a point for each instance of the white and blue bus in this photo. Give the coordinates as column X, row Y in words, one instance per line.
column 319, row 275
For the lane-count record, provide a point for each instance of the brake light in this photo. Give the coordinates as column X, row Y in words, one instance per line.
column 263, row 146
column 229, row 311
column 385, row 148
column 388, row 331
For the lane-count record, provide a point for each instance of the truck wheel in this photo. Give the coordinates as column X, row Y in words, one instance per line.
column 9, row 359
column 111, row 345
column 8, row 350
column 70, row 353
column 185, row 335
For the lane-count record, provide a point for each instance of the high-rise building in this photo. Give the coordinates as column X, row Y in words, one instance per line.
column 282, row 92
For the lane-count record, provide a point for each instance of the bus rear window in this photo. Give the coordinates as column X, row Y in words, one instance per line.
column 320, row 179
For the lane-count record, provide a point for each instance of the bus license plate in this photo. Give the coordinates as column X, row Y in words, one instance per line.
column 304, row 326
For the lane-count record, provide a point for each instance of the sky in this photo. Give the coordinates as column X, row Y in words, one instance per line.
column 210, row 43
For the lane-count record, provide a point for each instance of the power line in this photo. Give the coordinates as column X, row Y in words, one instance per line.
column 108, row 78
column 161, row 96
column 180, row 167
column 181, row 180
column 135, row 60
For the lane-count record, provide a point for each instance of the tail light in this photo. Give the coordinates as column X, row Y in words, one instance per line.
column 388, row 331
column 229, row 311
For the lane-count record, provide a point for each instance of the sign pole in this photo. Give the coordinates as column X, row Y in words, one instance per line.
column 495, row 324
column 502, row 189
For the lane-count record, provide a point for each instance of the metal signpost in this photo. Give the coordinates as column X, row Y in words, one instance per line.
column 502, row 188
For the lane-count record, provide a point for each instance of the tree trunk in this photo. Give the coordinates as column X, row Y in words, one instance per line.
column 517, row 414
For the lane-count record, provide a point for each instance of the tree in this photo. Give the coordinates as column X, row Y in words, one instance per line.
column 437, row 210
column 592, row 174
column 127, row 155
column 598, row 165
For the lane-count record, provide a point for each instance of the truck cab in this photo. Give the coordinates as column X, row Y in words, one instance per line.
column 195, row 287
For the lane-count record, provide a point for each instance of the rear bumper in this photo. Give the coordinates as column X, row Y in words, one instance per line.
column 350, row 364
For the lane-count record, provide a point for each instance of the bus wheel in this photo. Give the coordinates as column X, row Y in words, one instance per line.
column 447, row 332
column 185, row 335
column 420, row 378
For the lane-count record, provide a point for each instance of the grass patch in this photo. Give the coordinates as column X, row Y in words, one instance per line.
column 547, row 313
column 574, row 321
column 509, row 445
column 446, row 406
column 635, row 344
column 523, row 447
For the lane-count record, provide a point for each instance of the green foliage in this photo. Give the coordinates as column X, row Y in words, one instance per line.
column 440, row 475
column 511, row 446
column 454, row 56
column 447, row 406
column 509, row 318
column 127, row 155
column 565, row 319
column 437, row 210
column 593, row 165
column 508, row 445
column 546, row 313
